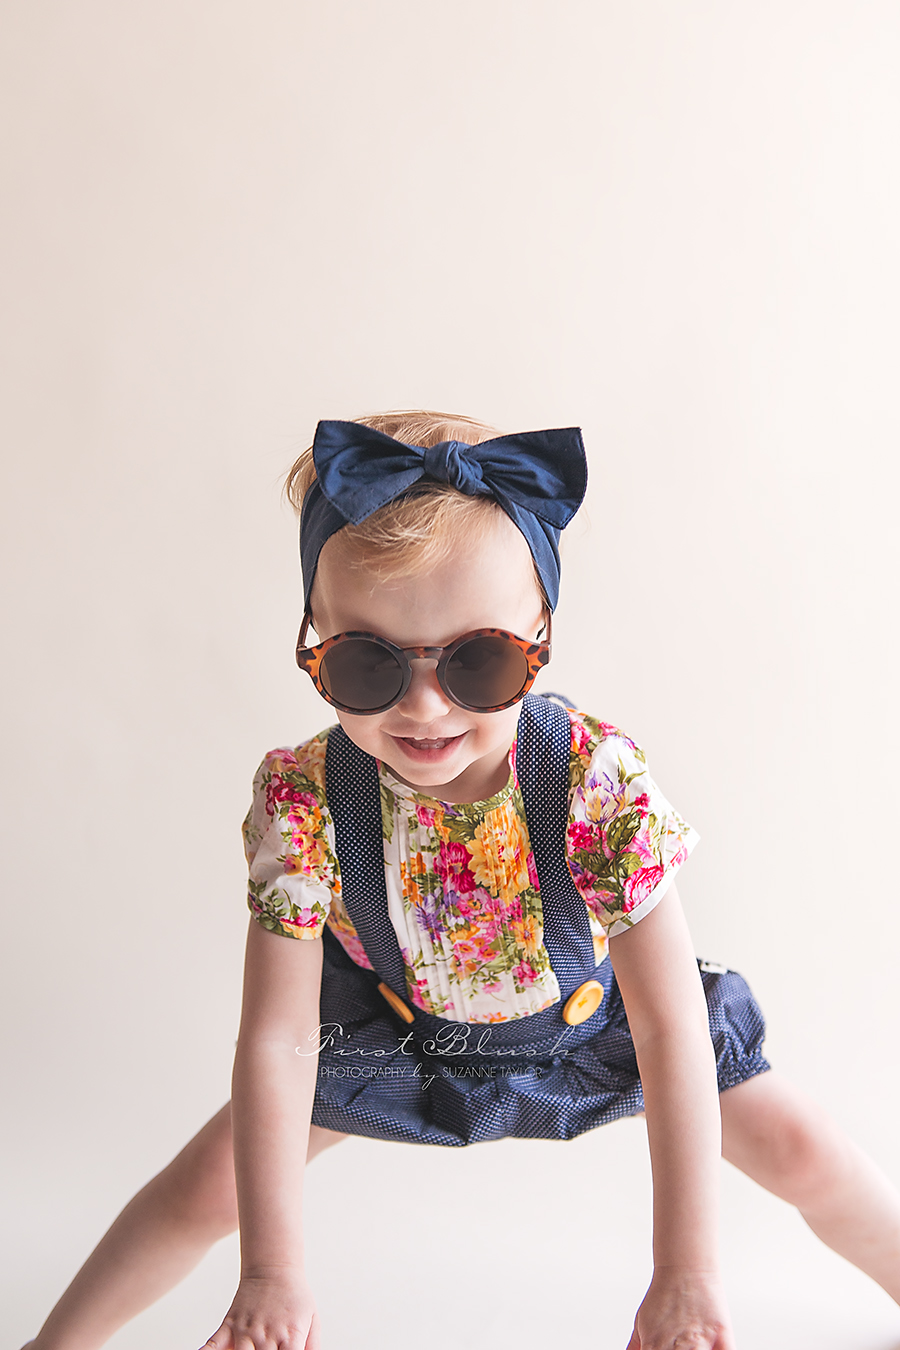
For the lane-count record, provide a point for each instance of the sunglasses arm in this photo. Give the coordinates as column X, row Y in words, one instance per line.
column 304, row 629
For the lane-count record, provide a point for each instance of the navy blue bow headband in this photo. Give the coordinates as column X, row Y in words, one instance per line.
column 538, row 478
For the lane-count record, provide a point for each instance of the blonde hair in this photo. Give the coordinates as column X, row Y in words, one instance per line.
column 416, row 531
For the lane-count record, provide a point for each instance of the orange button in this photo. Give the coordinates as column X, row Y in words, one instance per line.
column 397, row 1003
column 586, row 1000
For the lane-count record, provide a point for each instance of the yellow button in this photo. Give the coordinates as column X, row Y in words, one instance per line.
column 397, row 1003
column 586, row 1000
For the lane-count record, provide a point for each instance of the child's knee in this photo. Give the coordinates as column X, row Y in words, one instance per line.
column 806, row 1160
column 782, row 1139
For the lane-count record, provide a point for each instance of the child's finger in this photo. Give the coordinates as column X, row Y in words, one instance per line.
column 221, row 1339
column 314, row 1339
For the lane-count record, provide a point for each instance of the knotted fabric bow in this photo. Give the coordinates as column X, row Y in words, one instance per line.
column 538, row 478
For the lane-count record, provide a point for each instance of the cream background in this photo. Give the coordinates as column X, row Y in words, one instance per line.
column 673, row 224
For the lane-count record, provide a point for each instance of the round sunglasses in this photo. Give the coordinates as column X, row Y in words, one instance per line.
column 483, row 671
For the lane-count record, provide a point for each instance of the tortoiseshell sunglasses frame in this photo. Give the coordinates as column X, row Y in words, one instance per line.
column 537, row 655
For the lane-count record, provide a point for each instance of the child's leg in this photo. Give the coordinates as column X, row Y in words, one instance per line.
column 161, row 1234
column 789, row 1144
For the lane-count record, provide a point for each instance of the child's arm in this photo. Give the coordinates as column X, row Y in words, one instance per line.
column 657, row 974
column 272, row 1095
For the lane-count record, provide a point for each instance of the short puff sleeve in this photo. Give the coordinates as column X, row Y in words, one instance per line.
column 289, row 843
column 625, row 839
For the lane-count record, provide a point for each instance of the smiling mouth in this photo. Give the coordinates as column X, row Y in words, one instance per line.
column 428, row 742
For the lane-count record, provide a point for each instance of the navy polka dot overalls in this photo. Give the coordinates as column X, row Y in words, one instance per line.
column 430, row 1080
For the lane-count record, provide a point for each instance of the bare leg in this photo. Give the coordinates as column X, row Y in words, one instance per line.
column 789, row 1144
column 161, row 1234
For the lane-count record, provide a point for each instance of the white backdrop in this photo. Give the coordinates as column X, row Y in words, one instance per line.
column 673, row 224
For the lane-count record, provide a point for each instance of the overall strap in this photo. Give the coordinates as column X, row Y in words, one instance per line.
column 542, row 763
column 354, row 800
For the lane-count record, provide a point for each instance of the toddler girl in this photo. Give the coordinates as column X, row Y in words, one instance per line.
column 464, row 918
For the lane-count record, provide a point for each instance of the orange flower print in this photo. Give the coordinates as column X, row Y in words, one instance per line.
column 500, row 853
column 308, row 763
column 338, row 921
column 409, row 878
column 527, row 933
column 310, row 854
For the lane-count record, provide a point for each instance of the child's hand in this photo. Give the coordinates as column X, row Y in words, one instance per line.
column 270, row 1309
column 683, row 1308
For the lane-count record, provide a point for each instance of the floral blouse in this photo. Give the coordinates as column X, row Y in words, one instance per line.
column 463, row 893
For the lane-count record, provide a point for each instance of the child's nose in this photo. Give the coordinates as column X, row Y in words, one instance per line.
column 425, row 700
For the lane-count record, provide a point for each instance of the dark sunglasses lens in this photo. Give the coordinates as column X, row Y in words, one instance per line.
column 486, row 672
column 361, row 674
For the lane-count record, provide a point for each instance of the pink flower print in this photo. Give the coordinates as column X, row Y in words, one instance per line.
column 278, row 791
column 425, row 815
column 418, row 992
column 642, row 801
column 642, row 845
column 488, row 927
column 416, row 985
column 351, row 945
column 591, row 888
column 640, row 886
column 581, row 738
column 463, row 908
column 581, row 836
column 608, row 729
column 305, row 918
column 532, row 871
column 524, row 973
column 452, row 866
column 280, row 760
column 466, row 946
column 599, row 903
column 513, row 911
column 487, row 903
column 304, row 800
column 679, row 858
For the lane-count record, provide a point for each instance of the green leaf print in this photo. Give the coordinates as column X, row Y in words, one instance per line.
column 622, row 830
column 462, row 824
column 629, row 863
column 429, row 883
column 387, row 812
column 576, row 772
column 459, row 831
column 596, row 863
column 430, row 844
column 269, row 921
